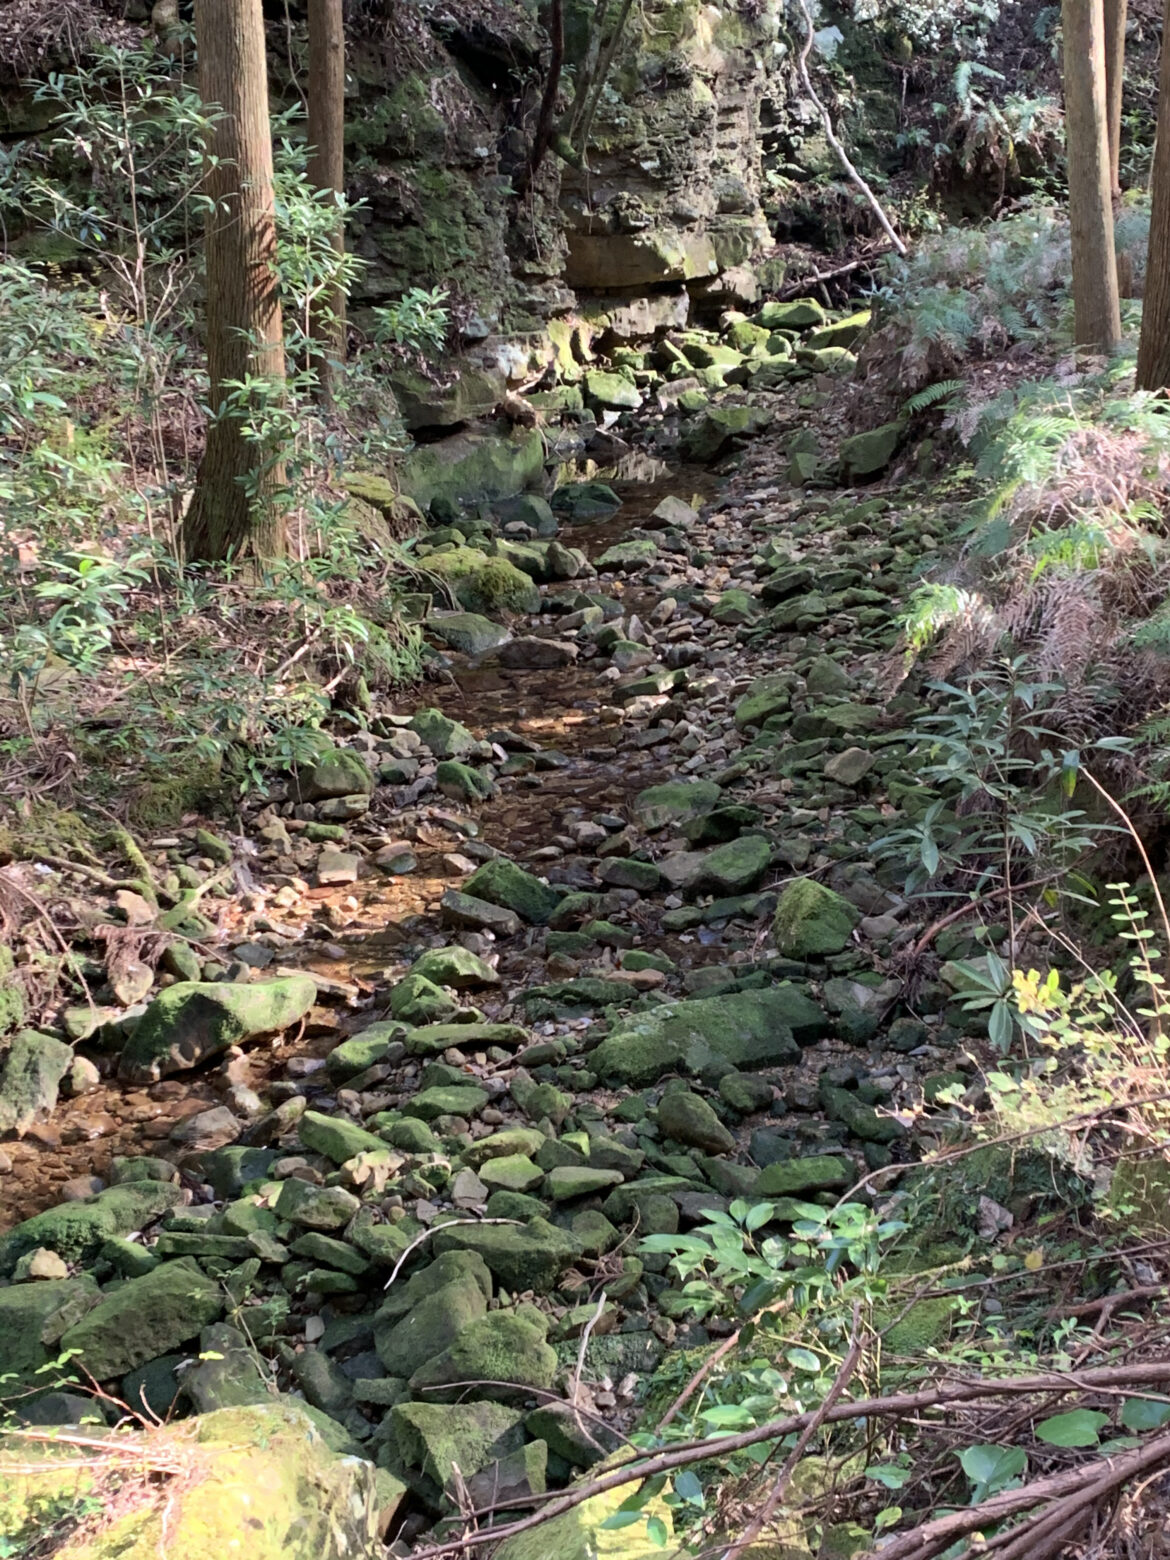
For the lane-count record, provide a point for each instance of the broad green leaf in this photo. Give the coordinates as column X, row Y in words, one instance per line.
column 1144, row 1414
column 621, row 1519
column 999, row 1026
column 991, row 1466
column 656, row 1532
column 1079, row 1427
column 725, row 1414
column 886, row 1518
column 758, row 1216
column 688, row 1488
column 804, row 1359
column 888, row 1474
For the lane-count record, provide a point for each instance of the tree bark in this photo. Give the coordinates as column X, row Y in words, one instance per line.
column 235, row 508
column 542, row 139
column 327, row 168
column 1115, row 13
column 1153, row 364
column 1094, row 262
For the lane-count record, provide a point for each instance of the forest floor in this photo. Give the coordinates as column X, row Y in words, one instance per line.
column 669, row 1027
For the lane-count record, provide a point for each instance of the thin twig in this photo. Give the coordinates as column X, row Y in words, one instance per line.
column 448, row 1224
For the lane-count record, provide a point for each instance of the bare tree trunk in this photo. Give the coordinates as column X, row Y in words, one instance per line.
column 235, row 505
column 1094, row 262
column 1153, row 364
column 327, row 166
column 1115, row 13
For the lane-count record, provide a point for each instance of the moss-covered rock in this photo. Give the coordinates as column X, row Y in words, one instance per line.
column 335, row 1137
column 192, row 1021
column 744, row 1029
column 456, row 967
column 811, row 919
column 30, row 1074
column 530, row 1256
column 340, row 772
column 445, row 737
column 467, row 632
column 11, row 994
column 718, row 427
column 674, row 801
column 503, row 1346
column 581, row 1534
column 794, row 1177
column 867, row 454
column 432, row 1324
column 687, row 1118
column 440, row 1437
column 264, row 1471
column 502, row 882
column 32, row 1318
column 472, row 466
column 76, row 1230
column 483, row 584
column 144, row 1318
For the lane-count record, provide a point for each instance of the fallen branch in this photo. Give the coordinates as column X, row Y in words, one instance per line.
column 803, row 283
column 1069, row 1494
column 635, row 1469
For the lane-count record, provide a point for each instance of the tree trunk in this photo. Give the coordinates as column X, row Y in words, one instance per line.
column 235, row 507
column 1153, row 364
column 1094, row 262
column 327, row 167
column 545, row 123
column 1115, row 12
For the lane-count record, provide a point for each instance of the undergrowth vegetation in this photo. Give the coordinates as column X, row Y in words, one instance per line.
column 121, row 662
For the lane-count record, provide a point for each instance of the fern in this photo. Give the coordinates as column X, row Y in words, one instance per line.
column 943, row 390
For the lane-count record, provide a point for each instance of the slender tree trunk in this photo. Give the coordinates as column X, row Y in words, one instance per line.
column 327, row 166
column 1153, row 364
column 545, row 124
column 1094, row 262
column 1115, row 13
column 235, row 506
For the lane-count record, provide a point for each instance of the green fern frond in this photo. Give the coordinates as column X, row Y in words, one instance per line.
column 932, row 395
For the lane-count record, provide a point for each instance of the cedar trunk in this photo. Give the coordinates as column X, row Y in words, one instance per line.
column 1115, row 12
column 235, row 508
column 1153, row 364
column 327, row 165
column 1094, row 262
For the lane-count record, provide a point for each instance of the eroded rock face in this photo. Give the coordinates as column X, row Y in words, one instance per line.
column 672, row 192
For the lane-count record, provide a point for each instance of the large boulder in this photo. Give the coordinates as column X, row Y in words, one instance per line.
column 263, row 1478
column 193, row 1020
column 472, row 466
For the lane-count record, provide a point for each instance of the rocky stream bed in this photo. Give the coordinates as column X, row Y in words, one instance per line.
column 576, row 944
